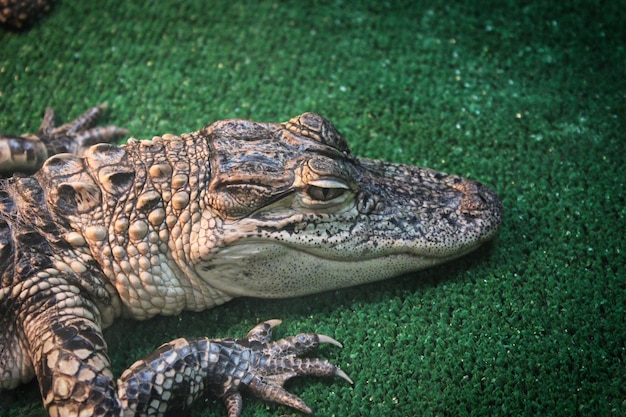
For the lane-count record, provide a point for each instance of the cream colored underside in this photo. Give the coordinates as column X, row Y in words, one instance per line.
column 271, row 270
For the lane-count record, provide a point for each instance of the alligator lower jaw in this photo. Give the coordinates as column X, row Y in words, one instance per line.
column 278, row 271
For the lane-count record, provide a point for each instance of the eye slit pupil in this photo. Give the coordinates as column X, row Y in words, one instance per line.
column 323, row 194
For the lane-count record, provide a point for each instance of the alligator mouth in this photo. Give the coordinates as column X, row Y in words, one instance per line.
column 355, row 249
column 417, row 254
column 290, row 271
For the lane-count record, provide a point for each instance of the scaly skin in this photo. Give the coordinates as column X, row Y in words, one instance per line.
column 188, row 222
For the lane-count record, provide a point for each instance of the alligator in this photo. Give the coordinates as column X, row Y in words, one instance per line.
column 188, row 222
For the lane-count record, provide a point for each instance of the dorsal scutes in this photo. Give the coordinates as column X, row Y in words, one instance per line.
column 109, row 164
column 73, row 189
column 78, row 197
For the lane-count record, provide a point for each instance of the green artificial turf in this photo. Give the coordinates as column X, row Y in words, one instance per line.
column 526, row 96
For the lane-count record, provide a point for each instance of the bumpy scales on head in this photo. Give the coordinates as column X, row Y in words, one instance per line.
column 187, row 222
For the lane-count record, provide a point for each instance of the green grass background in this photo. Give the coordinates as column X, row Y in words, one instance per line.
column 526, row 96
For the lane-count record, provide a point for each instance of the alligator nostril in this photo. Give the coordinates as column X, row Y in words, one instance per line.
column 473, row 199
column 472, row 203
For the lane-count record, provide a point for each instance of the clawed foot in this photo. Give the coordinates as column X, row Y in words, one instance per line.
column 76, row 136
column 271, row 364
column 179, row 372
column 26, row 153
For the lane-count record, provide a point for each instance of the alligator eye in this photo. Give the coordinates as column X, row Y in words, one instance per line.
column 323, row 194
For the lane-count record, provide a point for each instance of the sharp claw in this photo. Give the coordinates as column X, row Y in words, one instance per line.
column 343, row 375
column 276, row 363
column 327, row 339
column 297, row 404
column 274, row 322
column 262, row 332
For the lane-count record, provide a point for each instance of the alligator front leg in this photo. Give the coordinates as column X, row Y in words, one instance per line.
column 185, row 369
column 63, row 334
column 75, row 378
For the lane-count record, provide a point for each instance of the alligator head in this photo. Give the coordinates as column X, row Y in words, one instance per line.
column 258, row 209
column 300, row 214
